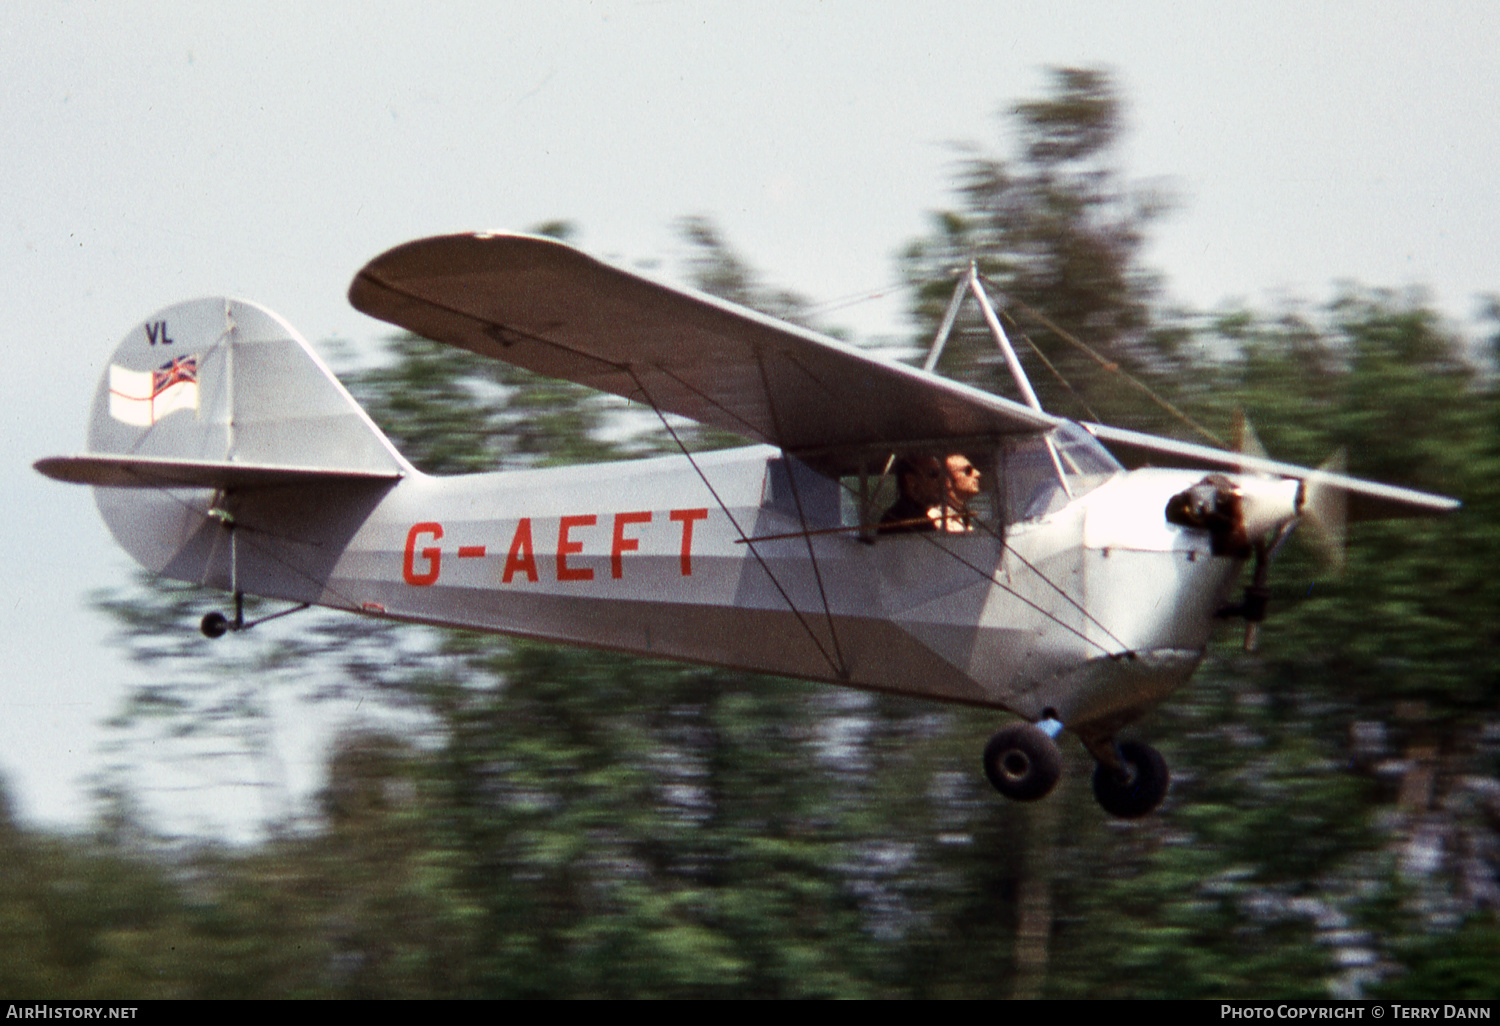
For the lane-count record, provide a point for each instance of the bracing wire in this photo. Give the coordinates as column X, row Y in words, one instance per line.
column 263, row 550
column 1109, row 365
column 854, row 299
column 1090, row 617
column 791, row 473
column 834, row 664
column 935, row 539
column 1051, row 367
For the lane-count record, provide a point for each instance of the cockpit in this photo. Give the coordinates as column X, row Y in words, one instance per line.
column 970, row 487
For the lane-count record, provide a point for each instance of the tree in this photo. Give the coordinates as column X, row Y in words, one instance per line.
column 1059, row 234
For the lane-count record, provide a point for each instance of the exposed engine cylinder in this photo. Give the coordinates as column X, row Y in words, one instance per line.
column 1236, row 511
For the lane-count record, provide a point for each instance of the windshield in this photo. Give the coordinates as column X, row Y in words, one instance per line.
column 1032, row 486
column 1087, row 463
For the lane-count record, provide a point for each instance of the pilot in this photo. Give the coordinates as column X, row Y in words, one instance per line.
column 959, row 489
column 921, row 482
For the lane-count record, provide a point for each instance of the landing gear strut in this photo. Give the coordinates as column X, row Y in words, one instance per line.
column 216, row 624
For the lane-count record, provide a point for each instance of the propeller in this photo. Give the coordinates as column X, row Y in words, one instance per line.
column 1319, row 504
column 1325, row 509
column 1250, row 512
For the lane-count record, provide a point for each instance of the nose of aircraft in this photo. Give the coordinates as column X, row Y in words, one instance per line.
column 1236, row 510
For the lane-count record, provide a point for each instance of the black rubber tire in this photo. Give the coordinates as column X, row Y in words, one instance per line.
column 1022, row 762
column 1141, row 790
column 214, row 625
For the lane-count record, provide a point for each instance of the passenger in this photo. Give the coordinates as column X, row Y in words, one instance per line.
column 962, row 485
column 920, row 482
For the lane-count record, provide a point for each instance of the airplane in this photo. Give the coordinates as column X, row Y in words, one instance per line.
column 1021, row 567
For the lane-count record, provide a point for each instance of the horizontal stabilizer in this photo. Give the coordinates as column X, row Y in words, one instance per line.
column 148, row 472
column 1368, row 500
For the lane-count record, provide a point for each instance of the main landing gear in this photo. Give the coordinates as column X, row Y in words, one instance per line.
column 1023, row 763
column 1135, row 789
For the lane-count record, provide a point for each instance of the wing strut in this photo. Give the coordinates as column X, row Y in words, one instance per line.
column 972, row 284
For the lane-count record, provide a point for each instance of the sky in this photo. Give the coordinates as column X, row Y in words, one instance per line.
column 157, row 152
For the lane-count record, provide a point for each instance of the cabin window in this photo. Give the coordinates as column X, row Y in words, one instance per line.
column 1085, row 462
column 1032, row 485
column 960, row 498
column 820, row 496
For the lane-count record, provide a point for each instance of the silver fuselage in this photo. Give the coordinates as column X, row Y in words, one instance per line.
column 1090, row 614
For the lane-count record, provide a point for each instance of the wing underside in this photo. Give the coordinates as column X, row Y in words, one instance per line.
column 542, row 305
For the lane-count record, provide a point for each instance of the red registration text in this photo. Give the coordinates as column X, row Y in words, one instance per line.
column 422, row 564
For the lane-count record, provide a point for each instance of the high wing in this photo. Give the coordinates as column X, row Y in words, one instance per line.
column 1368, row 500
column 545, row 306
column 540, row 304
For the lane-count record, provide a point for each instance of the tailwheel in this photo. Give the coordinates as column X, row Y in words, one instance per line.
column 216, row 624
column 1139, row 789
column 1023, row 762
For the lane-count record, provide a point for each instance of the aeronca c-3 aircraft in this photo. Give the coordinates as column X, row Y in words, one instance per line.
column 892, row 530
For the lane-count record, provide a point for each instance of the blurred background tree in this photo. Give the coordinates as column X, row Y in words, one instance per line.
column 1058, row 234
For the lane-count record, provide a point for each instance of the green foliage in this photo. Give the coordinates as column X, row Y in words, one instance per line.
column 630, row 829
column 451, row 412
column 1450, row 967
column 714, row 267
column 1379, row 376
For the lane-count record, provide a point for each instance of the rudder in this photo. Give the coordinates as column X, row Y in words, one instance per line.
column 226, row 380
column 214, row 409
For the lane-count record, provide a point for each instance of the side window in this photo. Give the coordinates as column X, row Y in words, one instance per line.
column 951, row 491
column 820, row 497
column 1086, row 463
column 1034, row 487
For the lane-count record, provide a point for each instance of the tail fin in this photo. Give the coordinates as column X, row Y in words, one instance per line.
column 222, row 395
column 216, row 381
